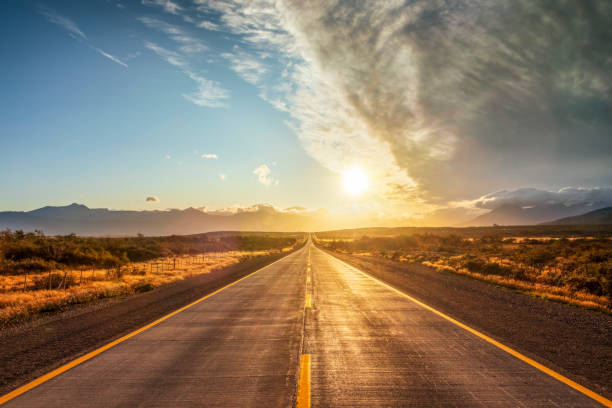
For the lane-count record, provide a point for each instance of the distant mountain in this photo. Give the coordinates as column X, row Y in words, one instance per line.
column 81, row 220
column 601, row 216
column 516, row 215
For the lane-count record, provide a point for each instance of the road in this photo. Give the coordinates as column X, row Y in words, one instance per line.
column 353, row 340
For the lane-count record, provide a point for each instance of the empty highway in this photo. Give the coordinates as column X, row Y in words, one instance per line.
column 307, row 330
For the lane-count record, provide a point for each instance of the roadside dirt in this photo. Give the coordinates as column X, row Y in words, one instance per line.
column 33, row 349
column 575, row 342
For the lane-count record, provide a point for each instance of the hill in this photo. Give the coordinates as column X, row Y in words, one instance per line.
column 603, row 216
column 517, row 215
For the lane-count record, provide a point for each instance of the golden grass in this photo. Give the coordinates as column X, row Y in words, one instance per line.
column 15, row 303
column 555, row 293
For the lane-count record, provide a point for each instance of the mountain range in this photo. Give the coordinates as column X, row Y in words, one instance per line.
column 81, row 220
column 517, row 215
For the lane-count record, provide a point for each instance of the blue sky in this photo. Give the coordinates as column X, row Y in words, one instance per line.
column 78, row 126
column 444, row 106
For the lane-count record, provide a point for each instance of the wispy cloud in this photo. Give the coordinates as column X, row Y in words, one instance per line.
column 208, row 93
column 188, row 43
column 209, row 156
column 263, row 176
column 152, row 199
column 110, row 57
column 75, row 32
column 168, row 5
column 245, row 65
column 208, row 25
column 62, row 21
column 171, row 57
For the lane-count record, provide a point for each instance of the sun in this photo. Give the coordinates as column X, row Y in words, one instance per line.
column 355, row 181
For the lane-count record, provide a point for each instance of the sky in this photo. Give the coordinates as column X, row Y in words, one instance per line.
column 441, row 107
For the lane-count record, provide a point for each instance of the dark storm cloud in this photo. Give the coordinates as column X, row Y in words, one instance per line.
column 532, row 197
column 443, row 100
column 472, row 96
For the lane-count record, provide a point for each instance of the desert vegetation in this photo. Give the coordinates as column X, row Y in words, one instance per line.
column 39, row 273
column 565, row 267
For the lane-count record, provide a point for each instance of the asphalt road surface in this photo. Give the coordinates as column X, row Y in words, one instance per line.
column 367, row 345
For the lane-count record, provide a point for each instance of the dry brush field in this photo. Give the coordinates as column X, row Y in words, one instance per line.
column 566, row 266
column 44, row 274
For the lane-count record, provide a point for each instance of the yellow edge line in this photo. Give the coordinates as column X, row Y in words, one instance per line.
column 308, row 300
column 35, row 383
column 303, row 396
column 531, row 362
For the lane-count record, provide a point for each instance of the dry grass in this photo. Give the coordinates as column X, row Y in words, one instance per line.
column 555, row 293
column 572, row 268
column 89, row 285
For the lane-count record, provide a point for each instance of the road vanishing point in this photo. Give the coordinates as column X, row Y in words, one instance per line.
column 307, row 330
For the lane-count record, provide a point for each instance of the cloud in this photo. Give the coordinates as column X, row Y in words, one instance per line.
column 75, row 32
column 443, row 101
column 188, row 44
column 208, row 93
column 168, row 6
column 209, row 156
column 263, row 176
column 245, row 65
column 110, row 57
column 208, row 25
column 62, row 21
column 595, row 197
column 152, row 199
column 171, row 57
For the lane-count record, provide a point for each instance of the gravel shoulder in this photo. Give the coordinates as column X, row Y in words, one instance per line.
column 37, row 347
column 575, row 342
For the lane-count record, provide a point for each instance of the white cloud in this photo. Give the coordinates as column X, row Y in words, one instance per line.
column 152, row 199
column 208, row 93
column 208, row 25
column 168, row 5
column 62, row 21
column 75, row 32
column 245, row 65
column 110, row 57
column 263, row 176
column 171, row 57
column 188, row 44
column 209, row 156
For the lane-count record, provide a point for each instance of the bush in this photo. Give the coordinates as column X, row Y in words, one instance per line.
column 58, row 281
column 143, row 287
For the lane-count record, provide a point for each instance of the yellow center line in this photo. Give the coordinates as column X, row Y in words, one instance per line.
column 303, row 395
column 308, row 304
column 589, row 393
column 35, row 383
